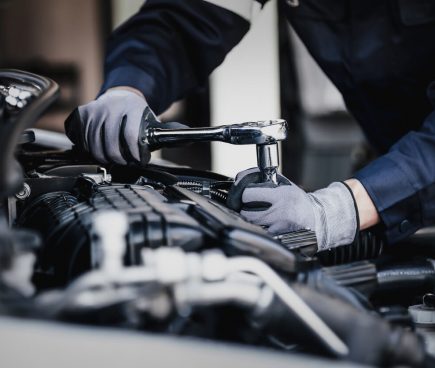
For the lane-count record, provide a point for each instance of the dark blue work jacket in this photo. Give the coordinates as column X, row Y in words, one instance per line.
column 379, row 53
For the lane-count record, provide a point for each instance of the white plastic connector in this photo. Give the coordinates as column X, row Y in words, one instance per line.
column 111, row 228
column 172, row 265
column 19, row 275
column 214, row 266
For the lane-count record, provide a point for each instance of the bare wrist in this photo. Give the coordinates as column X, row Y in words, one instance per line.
column 368, row 215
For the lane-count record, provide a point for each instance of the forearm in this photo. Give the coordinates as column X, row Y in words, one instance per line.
column 368, row 215
column 170, row 48
column 401, row 183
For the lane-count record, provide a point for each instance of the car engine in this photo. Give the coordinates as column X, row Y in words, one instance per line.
column 157, row 249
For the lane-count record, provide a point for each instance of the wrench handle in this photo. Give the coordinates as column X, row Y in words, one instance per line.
column 158, row 138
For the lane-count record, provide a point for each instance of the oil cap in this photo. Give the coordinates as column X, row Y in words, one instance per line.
column 424, row 314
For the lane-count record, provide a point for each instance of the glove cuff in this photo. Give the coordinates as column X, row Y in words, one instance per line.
column 336, row 216
column 123, row 92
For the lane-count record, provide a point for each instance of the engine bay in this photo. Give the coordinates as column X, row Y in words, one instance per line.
column 157, row 249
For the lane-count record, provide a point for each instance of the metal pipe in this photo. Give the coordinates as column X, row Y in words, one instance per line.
column 293, row 301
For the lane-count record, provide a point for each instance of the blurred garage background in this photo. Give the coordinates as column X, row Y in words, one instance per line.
column 269, row 75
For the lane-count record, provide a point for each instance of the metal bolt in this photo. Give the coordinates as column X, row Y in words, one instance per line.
column 429, row 300
column 23, row 193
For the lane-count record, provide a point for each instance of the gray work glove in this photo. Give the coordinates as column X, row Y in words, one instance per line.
column 112, row 128
column 330, row 212
column 108, row 128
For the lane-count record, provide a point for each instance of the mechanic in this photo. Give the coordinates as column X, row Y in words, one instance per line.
column 379, row 53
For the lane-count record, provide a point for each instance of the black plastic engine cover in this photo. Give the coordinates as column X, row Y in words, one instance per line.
column 65, row 223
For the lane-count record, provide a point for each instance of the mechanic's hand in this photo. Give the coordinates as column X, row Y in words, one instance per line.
column 109, row 127
column 330, row 212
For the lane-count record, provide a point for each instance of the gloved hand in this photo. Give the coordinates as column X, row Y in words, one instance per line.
column 330, row 212
column 108, row 128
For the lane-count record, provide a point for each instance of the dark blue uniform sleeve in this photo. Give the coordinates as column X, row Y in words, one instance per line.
column 401, row 183
column 170, row 47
